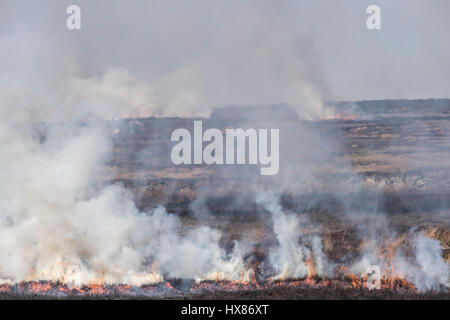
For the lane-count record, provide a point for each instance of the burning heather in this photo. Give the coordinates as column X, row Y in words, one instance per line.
column 68, row 231
column 65, row 233
column 277, row 191
column 190, row 288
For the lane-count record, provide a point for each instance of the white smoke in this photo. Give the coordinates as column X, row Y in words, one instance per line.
column 425, row 267
column 432, row 271
column 294, row 252
column 57, row 220
column 58, row 223
column 119, row 94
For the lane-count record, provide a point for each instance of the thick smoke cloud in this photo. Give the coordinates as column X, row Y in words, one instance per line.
column 58, row 221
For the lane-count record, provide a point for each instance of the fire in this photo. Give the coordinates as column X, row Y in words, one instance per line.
column 123, row 288
column 168, row 285
column 5, row 288
column 396, row 283
column 349, row 281
column 356, row 281
column 387, row 252
column 40, row 287
column 64, row 290
column 310, row 265
column 96, row 289
column 343, row 279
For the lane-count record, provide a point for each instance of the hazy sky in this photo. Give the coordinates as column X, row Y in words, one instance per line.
column 231, row 52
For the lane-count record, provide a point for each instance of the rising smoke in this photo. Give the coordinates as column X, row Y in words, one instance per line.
column 59, row 221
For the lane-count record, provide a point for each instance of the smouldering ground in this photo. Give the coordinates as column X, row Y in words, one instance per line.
column 305, row 289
